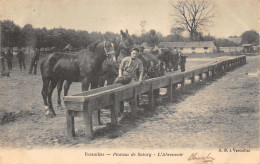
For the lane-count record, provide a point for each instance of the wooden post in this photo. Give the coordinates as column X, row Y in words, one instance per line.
column 115, row 108
column 213, row 73
column 174, row 86
column 200, row 76
column 183, row 84
column 133, row 102
column 70, row 124
column 207, row 75
column 151, row 98
column 87, row 114
column 169, row 90
column 96, row 117
column 193, row 80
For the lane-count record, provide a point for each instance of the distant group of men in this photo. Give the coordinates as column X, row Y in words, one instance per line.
column 8, row 58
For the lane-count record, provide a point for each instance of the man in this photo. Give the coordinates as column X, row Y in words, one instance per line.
column 129, row 67
column 34, row 63
column 3, row 57
column 182, row 61
column 128, row 72
column 21, row 57
column 9, row 58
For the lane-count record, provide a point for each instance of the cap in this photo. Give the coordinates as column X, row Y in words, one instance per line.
column 135, row 48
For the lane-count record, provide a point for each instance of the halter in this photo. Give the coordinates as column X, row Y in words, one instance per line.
column 107, row 53
column 122, row 43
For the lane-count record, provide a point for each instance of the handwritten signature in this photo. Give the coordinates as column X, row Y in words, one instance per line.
column 205, row 159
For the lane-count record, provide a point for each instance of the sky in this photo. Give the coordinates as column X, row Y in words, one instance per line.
column 233, row 17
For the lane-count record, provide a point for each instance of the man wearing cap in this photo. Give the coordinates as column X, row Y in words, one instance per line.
column 128, row 71
column 129, row 67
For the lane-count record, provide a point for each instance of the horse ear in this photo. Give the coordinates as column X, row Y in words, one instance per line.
column 126, row 31
column 122, row 33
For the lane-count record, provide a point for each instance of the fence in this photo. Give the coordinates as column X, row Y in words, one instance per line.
column 83, row 104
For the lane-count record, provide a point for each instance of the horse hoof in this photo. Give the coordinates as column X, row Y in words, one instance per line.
column 59, row 107
column 50, row 114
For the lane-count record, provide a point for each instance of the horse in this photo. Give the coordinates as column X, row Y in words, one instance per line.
column 109, row 69
column 123, row 45
column 169, row 58
column 84, row 66
column 152, row 65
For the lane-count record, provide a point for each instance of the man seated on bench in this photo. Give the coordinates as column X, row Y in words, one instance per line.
column 128, row 72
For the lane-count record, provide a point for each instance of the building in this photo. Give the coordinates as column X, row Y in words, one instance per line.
column 230, row 49
column 190, row 47
column 146, row 47
column 247, row 47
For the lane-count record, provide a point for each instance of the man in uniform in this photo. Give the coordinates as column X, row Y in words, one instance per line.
column 9, row 58
column 182, row 61
column 34, row 63
column 3, row 57
column 21, row 58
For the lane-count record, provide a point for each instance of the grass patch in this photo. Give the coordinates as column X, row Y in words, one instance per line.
column 6, row 117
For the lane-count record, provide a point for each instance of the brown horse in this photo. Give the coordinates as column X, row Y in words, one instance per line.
column 85, row 66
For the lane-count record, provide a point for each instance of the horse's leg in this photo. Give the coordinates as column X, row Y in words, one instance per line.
column 45, row 86
column 101, row 82
column 59, row 89
column 67, row 87
column 50, row 112
column 111, row 81
column 96, row 113
column 85, row 84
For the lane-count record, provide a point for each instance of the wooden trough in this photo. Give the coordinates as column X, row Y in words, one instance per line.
column 83, row 104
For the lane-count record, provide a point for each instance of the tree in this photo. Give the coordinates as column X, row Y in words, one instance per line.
column 192, row 15
column 177, row 30
column 29, row 35
column 225, row 43
column 152, row 38
column 250, row 37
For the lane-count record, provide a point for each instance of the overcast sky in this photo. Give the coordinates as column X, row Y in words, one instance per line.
column 233, row 17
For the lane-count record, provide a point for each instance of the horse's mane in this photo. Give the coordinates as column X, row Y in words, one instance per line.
column 92, row 47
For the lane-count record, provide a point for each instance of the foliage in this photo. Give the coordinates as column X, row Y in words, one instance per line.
column 14, row 36
column 250, row 37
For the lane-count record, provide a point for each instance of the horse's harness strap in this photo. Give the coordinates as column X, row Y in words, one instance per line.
column 105, row 47
column 121, row 42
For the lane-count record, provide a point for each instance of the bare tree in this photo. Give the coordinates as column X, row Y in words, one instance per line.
column 192, row 15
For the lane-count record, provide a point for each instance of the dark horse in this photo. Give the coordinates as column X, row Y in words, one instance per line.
column 84, row 66
column 169, row 58
column 109, row 69
column 123, row 45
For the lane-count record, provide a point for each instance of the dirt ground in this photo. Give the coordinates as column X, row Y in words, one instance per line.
column 223, row 112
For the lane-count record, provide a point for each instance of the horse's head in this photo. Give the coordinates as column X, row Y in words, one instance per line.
column 126, row 43
column 109, row 50
column 104, row 48
column 166, row 57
